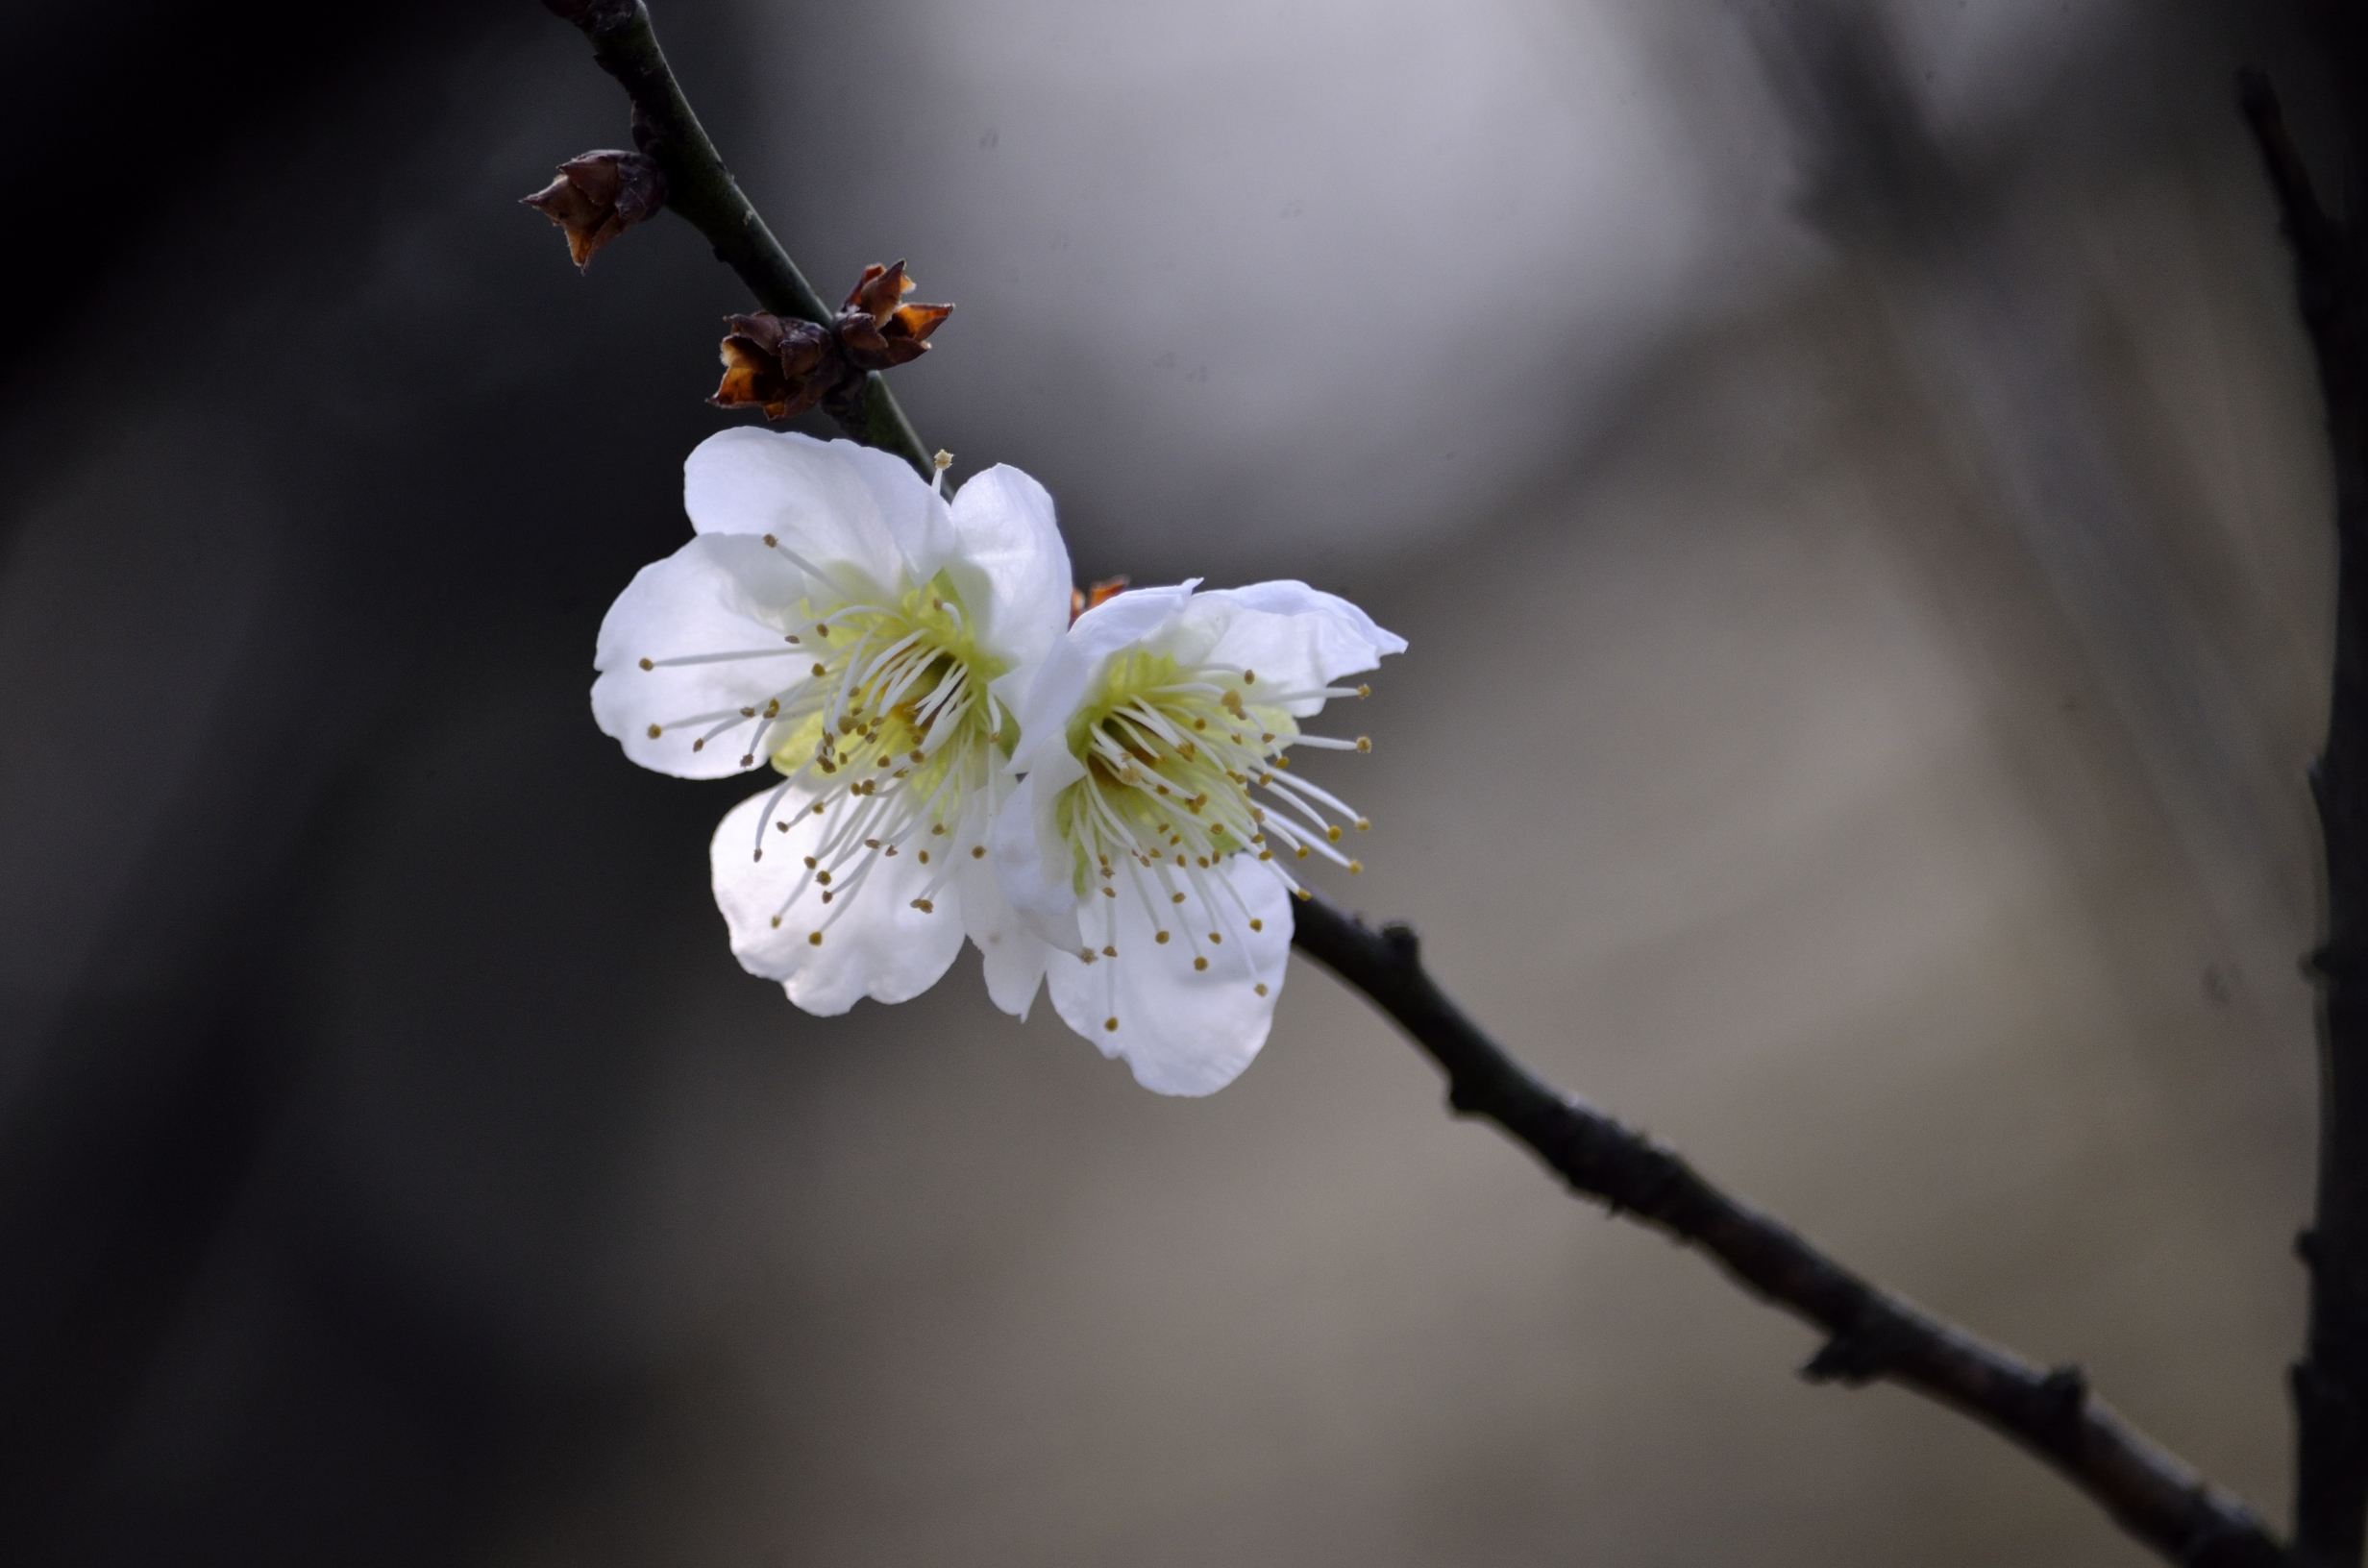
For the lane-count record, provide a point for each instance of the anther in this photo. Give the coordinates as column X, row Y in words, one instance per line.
column 1355, row 865
column 1257, row 925
column 776, row 922
column 1200, row 962
column 1088, row 954
column 748, row 759
column 918, row 755
column 700, row 744
column 1110, row 1024
column 1216, row 941
column 770, row 541
column 1363, row 825
column 871, row 844
column 1249, row 677
column 925, row 857
column 655, row 733
column 1109, row 892
column 780, row 827
column 978, row 852
column 1109, row 952
column 814, row 940
column 647, row 665
column 821, row 630
column 1160, row 937
column 791, row 639
column 824, row 877
column 818, row 808
column 1262, row 988
column 1331, row 833
column 1302, row 853
column 1365, row 690
column 924, row 906
column 809, row 863
column 748, row 713
column 939, row 830
column 821, row 669
column 1175, row 897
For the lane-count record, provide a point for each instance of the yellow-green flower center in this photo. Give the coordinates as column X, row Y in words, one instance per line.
column 1172, row 755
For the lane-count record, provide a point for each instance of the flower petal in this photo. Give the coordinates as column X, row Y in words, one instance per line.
column 1075, row 663
column 862, row 516
column 1012, row 954
column 1295, row 637
column 1033, row 864
column 1012, row 571
column 874, row 942
column 719, row 594
column 1183, row 1030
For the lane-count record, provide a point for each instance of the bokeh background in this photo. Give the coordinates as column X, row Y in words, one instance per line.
column 1852, row 479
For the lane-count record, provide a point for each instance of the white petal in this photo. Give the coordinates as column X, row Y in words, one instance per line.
column 1012, row 571
column 1013, row 955
column 718, row 594
column 862, row 516
column 875, row 944
column 1075, row 663
column 1183, row 1030
column 1293, row 636
column 1033, row 864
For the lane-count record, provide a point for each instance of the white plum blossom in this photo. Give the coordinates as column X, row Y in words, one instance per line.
column 1151, row 836
column 835, row 618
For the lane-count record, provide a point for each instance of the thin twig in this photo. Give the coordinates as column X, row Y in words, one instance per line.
column 1873, row 1333
column 2331, row 1383
column 699, row 188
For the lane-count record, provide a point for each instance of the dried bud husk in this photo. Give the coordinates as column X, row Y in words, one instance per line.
column 786, row 366
column 1082, row 599
column 597, row 196
column 876, row 330
column 782, row 366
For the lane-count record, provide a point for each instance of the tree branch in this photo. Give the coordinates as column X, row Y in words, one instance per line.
column 2331, row 1383
column 1872, row 1333
column 699, row 188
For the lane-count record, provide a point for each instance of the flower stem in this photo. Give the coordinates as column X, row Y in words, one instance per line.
column 701, row 190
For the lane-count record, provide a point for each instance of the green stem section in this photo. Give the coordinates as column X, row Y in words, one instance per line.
column 702, row 192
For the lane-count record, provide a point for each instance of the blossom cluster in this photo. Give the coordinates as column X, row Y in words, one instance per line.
column 1102, row 802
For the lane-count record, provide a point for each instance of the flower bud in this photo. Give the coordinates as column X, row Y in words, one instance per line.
column 780, row 365
column 597, row 196
column 786, row 366
column 875, row 330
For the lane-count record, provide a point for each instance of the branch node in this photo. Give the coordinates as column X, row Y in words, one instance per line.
column 1404, row 945
column 1862, row 1353
column 2063, row 1394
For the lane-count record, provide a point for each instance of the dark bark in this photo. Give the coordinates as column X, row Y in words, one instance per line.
column 1872, row 1333
column 2331, row 1383
column 701, row 190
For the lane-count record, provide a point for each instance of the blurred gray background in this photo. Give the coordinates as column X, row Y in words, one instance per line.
column 1852, row 479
